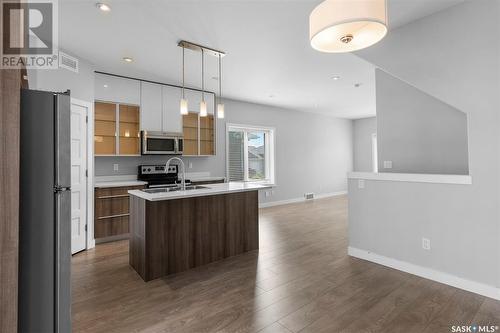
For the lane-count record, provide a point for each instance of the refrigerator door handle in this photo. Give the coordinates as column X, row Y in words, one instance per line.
column 59, row 188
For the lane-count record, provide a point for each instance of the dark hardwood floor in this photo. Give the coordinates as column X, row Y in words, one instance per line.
column 301, row 280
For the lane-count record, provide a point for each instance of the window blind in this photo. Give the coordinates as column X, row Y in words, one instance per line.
column 236, row 156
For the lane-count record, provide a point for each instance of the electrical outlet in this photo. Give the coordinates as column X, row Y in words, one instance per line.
column 267, row 193
column 387, row 164
column 426, row 244
column 361, row 183
column 115, row 167
column 190, row 165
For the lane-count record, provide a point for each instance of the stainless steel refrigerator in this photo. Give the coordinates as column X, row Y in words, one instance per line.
column 45, row 213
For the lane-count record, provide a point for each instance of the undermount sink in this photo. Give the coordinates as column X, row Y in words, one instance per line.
column 173, row 189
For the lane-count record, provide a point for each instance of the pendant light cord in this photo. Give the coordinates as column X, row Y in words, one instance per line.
column 220, row 80
column 203, row 75
column 183, row 95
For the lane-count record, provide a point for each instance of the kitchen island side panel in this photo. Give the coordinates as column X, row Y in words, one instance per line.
column 137, row 241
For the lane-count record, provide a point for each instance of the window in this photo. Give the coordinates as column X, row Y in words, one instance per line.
column 374, row 153
column 250, row 153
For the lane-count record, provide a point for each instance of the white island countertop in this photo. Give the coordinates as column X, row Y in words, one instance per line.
column 210, row 189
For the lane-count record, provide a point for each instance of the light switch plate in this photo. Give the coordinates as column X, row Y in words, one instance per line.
column 426, row 244
column 190, row 165
column 361, row 183
column 115, row 167
column 387, row 164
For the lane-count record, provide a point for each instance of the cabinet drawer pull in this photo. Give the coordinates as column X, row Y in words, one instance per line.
column 112, row 216
column 113, row 196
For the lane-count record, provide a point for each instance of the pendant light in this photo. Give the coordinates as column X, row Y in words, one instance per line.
column 337, row 26
column 220, row 105
column 203, row 104
column 184, row 102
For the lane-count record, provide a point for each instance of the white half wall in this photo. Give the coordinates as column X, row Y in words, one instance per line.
column 417, row 132
column 435, row 54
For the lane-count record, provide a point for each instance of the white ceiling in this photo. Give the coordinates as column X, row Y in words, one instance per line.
column 268, row 61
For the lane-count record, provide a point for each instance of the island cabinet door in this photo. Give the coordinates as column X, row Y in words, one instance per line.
column 242, row 223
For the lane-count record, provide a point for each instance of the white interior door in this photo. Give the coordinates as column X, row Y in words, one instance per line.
column 79, row 114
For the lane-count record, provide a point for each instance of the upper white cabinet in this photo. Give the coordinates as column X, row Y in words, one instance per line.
column 172, row 118
column 194, row 99
column 152, row 117
column 115, row 89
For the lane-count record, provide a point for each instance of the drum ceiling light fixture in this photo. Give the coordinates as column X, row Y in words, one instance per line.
column 338, row 26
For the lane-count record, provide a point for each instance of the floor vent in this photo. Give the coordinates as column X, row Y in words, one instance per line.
column 68, row 62
column 309, row 196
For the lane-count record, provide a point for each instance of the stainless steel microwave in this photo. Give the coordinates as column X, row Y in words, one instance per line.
column 161, row 143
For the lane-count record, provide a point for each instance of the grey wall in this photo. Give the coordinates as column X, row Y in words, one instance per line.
column 418, row 132
column 81, row 84
column 462, row 221
column 313, row 152
column 363, row 129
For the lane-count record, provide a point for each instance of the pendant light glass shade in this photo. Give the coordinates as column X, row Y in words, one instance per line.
column 337, row 26
column 184, row 106
column 220, row 111
column 203, row 109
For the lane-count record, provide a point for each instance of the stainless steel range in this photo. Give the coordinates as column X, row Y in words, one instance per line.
column 155, row 175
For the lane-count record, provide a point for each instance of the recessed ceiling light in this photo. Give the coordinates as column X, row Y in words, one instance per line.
column 103, row 7
column 336, row 77
column 128, row 59
column 105, row 86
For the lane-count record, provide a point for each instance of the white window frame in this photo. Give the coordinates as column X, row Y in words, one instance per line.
column 269, row 154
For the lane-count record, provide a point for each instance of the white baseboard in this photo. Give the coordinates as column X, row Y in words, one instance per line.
column 428, row 273
column 295, row 200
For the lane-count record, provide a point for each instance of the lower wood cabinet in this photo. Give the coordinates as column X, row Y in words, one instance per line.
column 111, row 212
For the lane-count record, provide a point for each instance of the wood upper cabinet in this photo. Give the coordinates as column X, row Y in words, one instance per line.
column 199, row 132
column 105, row 128
column 172, row 118
column 128, row 127
column 110, row 88
column 116, row 129
column 151, row 107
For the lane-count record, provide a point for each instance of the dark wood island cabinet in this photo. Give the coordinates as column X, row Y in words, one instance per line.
column 175, row 234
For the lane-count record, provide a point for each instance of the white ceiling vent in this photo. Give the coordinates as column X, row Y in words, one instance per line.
column 68, row 62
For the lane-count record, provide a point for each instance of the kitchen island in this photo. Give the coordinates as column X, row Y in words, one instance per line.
column 174, row 231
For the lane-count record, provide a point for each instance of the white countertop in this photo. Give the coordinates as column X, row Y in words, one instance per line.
column 131, row 180
column 211, row 189
column 412, row 177
column 119, row 183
